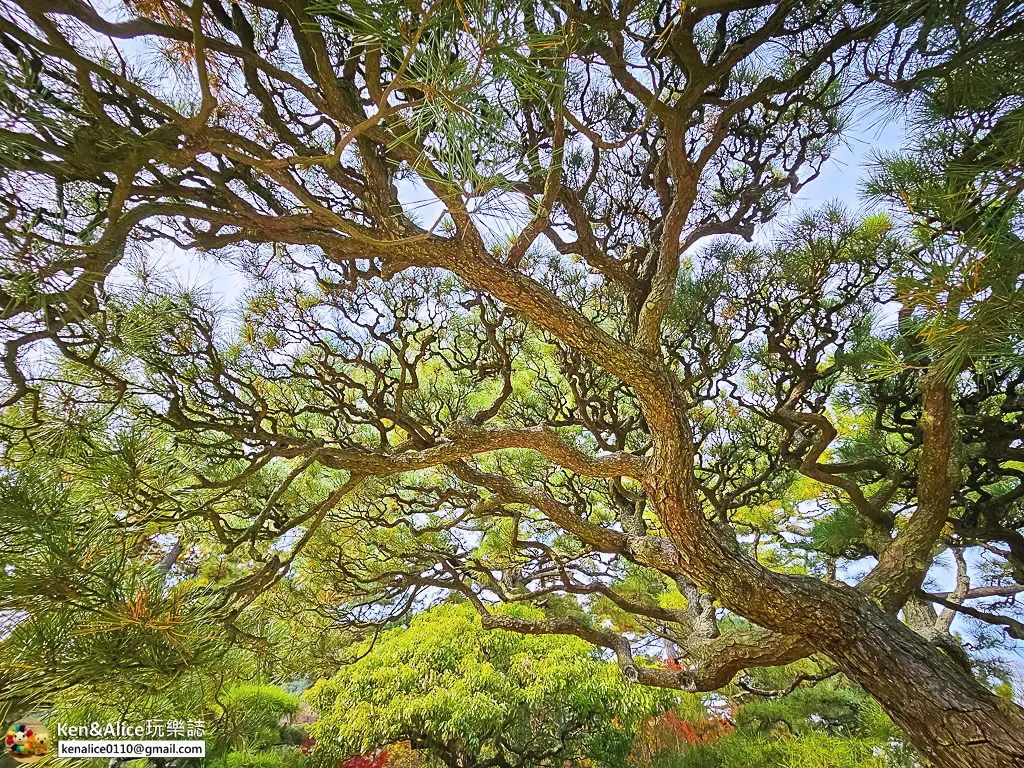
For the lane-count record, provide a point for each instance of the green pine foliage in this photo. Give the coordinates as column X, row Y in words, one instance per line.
column 959, row 185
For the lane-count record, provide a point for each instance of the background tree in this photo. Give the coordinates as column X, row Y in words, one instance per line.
column 468, row 697
column 569, row 384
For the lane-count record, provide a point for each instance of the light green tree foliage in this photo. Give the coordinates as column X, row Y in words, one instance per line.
column 247, row 725
column 472, row 697
column 252, row 731
column 469, row 697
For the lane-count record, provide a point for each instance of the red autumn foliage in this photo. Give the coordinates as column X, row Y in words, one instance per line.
column 669, row 733
column 697, row 732
column 376, row 760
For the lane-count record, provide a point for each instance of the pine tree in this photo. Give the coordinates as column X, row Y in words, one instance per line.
column 574, row 382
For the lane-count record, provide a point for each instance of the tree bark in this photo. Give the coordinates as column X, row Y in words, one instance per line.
column 950, row 718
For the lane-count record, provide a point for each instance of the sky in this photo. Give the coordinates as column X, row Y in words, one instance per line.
column 843, row 174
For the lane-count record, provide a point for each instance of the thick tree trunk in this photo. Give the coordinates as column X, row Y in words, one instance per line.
column 951, row 719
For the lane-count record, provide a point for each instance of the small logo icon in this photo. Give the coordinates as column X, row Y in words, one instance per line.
column 27, row 742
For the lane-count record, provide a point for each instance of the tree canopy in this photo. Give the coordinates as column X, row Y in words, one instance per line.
column 476, row 698
column 520, row 316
